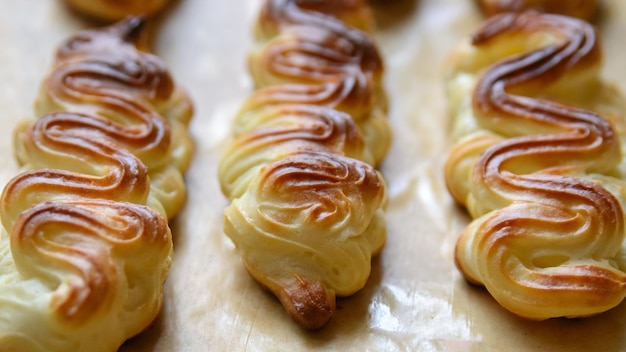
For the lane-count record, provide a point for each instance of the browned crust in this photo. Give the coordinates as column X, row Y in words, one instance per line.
column 584, row 9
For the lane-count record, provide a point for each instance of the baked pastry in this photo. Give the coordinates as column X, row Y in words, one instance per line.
column 343, row 69
column 584, row 9
column 102, row 72
column 112, row 10
column 537, row 165
column 86, row 246
column 306, row 211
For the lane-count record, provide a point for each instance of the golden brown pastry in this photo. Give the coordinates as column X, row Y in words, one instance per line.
column 86, row 247
column 340, row 15
column 584, row 9
column 306, row 210
column 538, row 165
column 115, row 10
column 101, row 72
column 319, row 59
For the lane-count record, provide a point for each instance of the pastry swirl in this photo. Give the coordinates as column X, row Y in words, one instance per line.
column 311, row 210
column 539, row 176
column 306, row 211
column 324, row 62
column 282, row 131
column 86, row 245
column 105, row 170
column 110, row 11
column 102, row 74
column 81, row 237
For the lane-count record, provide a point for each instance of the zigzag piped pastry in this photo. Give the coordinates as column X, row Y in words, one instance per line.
column 538, row 165
column 86, row 246
column 307, row 204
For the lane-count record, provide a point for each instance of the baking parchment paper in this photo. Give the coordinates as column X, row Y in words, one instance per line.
column 415, row 299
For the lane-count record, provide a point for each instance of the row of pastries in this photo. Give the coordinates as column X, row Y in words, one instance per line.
column 86, row 245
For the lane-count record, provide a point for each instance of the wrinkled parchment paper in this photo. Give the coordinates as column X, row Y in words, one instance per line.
column 415, row 299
